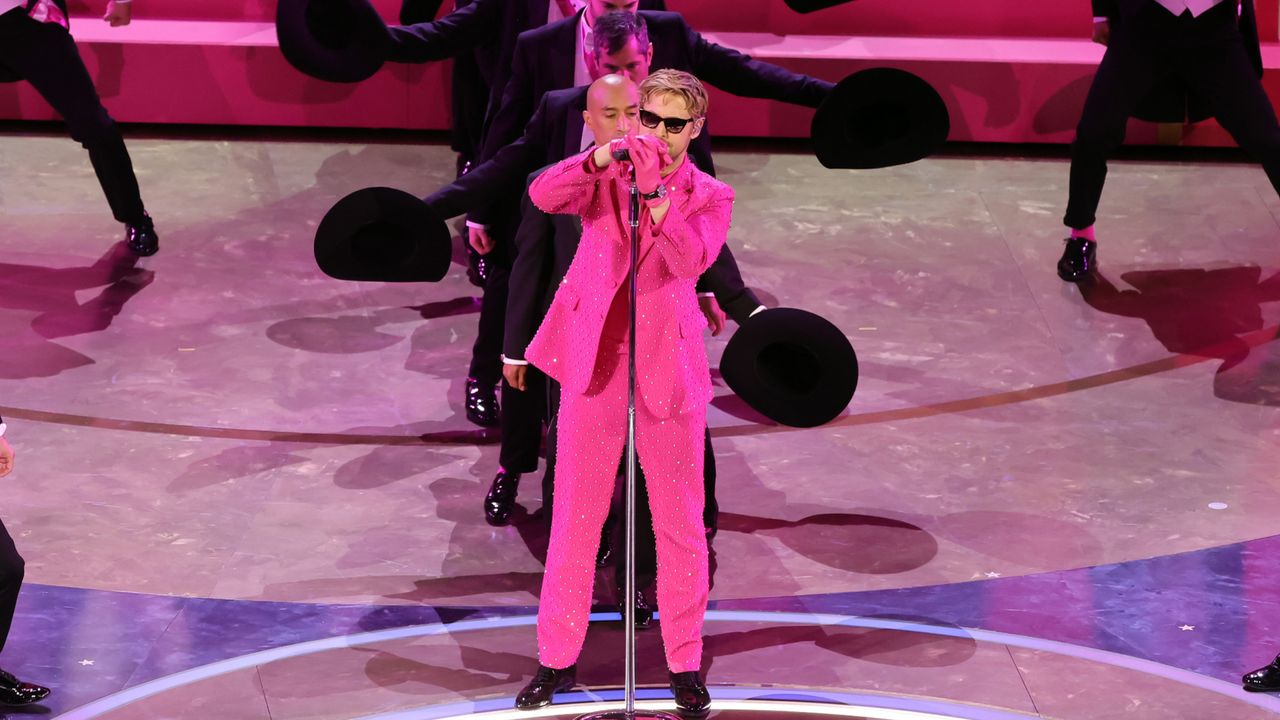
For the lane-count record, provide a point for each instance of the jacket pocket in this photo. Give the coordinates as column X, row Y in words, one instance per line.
column 691, row 326
column 568, row 296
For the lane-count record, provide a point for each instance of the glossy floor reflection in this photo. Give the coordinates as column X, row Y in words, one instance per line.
column 1045, row 500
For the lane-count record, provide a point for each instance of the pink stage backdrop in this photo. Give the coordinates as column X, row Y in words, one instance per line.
column 1009, row 70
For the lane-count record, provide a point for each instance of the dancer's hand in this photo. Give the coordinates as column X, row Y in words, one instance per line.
column 716, row 319
column 515, row 375
column 480, row 240
column 603, row 155
column 118, row 13
column 1102, row 32
column 6, row 457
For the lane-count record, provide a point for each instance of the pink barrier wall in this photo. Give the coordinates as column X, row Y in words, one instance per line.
column 256, row 10
column 221, row 84
column 969, row 18
column 997, row 18
column 1009, row 70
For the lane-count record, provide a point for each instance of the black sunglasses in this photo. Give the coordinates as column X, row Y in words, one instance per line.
column 675, row 126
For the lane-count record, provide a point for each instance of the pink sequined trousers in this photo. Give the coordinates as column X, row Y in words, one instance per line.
column 592, row 435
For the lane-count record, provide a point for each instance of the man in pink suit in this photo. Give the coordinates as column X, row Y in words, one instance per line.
column 583, row 344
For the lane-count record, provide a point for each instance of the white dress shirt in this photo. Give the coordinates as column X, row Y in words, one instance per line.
column 1177, row 7
column 1197, row 7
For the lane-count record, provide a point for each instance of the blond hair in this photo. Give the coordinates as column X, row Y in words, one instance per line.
column 679, row 84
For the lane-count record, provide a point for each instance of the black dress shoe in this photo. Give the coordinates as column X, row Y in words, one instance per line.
column 482, row 403
column 644, row 611
column 15, row 692
column 547, row 682
column 501, row 498
column 1266, row 679
column 692, row 698
column 141, row 237
column 1079, row 259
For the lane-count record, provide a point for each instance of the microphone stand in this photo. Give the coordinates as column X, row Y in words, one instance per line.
column 628, row 617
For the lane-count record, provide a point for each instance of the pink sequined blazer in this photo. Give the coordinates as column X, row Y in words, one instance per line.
column 670, row 357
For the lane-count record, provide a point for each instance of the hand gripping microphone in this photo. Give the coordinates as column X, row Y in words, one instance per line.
column 621, row 154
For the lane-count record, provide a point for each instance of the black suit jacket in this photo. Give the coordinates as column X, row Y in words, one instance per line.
column 1171, row 101
column 481, row 36
column 545, row 245
column 544, row 60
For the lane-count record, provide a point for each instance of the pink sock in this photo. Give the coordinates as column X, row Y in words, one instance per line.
column 1086, row 233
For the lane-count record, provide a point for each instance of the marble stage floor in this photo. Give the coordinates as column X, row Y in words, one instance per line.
column 245, row 490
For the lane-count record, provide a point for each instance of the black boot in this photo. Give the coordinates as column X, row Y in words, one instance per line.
column 644, row 611
column 15, row 692
column 1079, row 259
column 501, row 498
column 141, row 237
column 692, row 698
column 482, row 403
column 546, row 683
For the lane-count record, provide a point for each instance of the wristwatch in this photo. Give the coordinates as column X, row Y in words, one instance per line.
column 657, row 194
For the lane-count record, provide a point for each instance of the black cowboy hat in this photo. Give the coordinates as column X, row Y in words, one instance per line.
column 792, row 366
column 334, row 40
column 385, row 235
column 878, row 118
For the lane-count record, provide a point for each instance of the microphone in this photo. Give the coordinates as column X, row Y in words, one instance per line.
column 621, row 154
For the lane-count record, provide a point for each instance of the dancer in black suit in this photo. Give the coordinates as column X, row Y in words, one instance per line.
column 480, row 36
column 483, row 34
column 1211, row 46
column 551, row 58
column 35, row 46
column 12, row 690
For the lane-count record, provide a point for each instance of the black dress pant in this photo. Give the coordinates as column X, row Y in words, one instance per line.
column 44, row 55
column 12, row 569
column 523, row 414
column 1208, row 54
column 486, row 353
